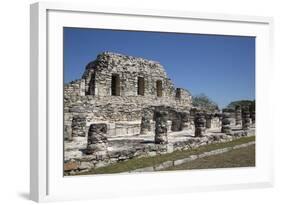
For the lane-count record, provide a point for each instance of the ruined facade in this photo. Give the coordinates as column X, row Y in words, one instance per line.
column 120, row 90
column 125, row 107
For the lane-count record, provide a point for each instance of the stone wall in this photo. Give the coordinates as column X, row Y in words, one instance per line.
column 79, row 162
column 75, row 88
column 183, row 96
column 98, row 75
column 213, row 122
column 97, row 79
column 92, row 97
column 122, row 99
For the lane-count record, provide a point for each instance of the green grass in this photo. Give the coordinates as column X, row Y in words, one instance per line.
column 137, row 163
column 243, row 157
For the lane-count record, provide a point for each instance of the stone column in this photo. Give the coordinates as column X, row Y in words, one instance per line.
column 192, row 114
column 78, row 126
column 253, row 112
column 200, row 124
column 176, row 121
column 226, row 128
column 209, row 118
column 184, row 121
column 97, row 137
column 246, row 120
column 161, row 127
column 238, row 115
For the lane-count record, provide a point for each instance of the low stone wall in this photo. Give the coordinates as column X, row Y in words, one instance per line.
column 120, row 150
column 124, row 128
column 177, row 162
column 215, row 123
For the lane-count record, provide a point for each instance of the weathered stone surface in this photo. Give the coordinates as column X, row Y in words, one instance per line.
column 238, row 115
column 129, row 69
column 125, row 107
column 215, row 123
column 85, row 165
column 226, row 128
column 76, row 88
column 97, row 137
column 214, row 152
column 169, row 126
column 92, row 96
column 212, row 120
column 72, row 154
column 102, row 164
column 161, row 127
column 71, row 165
column 67, row 132
column 175, row 117
column 147, row 117
column 127, row 128
column 200, row 124
column 185, row 160
column 185, row 122
column 253, row 112
column 120, row 150
column 78, row 126
column 163, row 165
column 208, row 118
column 246, row 120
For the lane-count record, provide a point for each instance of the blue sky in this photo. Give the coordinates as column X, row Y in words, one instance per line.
column 222, row 67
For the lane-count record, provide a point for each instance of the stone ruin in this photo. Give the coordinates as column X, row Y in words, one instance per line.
column 125, row 107
column 226, row 121
column 97, row 139
column 200, row 124
column 246, row 120
column 161, row 127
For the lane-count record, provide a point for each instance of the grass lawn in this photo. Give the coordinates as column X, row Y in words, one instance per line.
column 243, row 157
column 137, row 163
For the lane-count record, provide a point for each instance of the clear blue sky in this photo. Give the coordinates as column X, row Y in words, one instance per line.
column 222, row 67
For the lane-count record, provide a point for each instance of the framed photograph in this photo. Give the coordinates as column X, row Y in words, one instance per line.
column 133, row 102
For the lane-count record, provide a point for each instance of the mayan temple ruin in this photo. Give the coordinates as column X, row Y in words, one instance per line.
column 125, row 107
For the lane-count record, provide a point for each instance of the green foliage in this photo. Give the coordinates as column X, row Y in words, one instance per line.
column 203, row 102
column 242, row 103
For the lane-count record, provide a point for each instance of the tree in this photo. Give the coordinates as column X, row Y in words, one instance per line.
column 203, row 102
column 242, row 103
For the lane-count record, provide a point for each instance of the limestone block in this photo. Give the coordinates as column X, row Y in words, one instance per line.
column 169, row 126
column 200, row 124
column 163, row 165
column 246, row 120
column 97, row 137
column 78, row 126
column 238, row 115
column 71, row 165
column 185, row 124
column 226, row 122
column 161, row 127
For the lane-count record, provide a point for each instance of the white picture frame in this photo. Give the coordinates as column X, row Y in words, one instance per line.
column 47, row 182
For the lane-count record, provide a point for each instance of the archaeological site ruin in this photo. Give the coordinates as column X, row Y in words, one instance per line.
column 126, row 107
